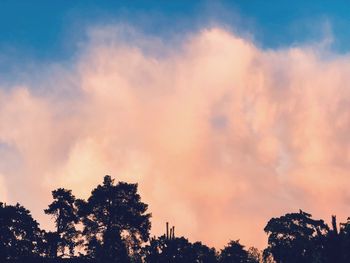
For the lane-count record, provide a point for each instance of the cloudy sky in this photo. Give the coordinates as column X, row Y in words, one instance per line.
column 226, row 114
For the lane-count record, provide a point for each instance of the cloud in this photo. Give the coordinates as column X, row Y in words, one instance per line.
column 3, row 190
column 219, row 134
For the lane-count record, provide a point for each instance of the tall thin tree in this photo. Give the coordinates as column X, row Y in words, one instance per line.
column 64, row 211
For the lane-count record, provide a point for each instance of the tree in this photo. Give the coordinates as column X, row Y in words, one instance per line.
column 338, row 242
column 254, row 255
column 178, row 249
column 20, row 236
column 296, row 238
column 333, row 251
column 115, row 221
column 50, row 243
column 174, row 250
column 203, row 253
column 233, row 252
column 64, row 211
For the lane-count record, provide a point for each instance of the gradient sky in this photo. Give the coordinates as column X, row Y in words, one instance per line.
column 227, row 113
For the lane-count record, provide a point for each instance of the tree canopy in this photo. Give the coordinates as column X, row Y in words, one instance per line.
column 113, row 225
column 115, row 221
column 20, row 236
column 296, row 237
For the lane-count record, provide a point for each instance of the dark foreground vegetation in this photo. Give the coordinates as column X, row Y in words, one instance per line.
column 113, row 225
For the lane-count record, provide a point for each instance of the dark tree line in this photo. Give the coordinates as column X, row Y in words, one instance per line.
column 113, row 225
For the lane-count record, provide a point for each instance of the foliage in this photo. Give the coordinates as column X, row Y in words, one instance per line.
column 64, row 211
column 296, row 237
column 178, row 249
column 233, row 252
column 116, row 228
column 115, row 221
column 20, row 236
column 254, row 255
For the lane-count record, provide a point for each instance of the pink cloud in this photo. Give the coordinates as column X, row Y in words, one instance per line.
column 220, row 135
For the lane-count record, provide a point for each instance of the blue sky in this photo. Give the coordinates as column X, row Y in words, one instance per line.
column 50, row 30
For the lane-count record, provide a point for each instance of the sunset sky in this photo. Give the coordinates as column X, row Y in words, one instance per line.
column 226, row 113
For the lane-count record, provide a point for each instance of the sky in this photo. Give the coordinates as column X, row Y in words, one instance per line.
column 226, row 113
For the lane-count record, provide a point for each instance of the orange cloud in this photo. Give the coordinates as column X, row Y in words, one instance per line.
column 220, row 135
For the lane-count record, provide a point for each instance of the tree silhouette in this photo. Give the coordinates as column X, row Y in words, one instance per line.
column 338, row 243
column 203, row 253
column 115, row 221
column 296, row 238
column 254, row 255
column 64, row 211
column 178, row 249
column 20, row 236
column 333, row 244
column 233, row 252
column 116, row 228
column 50, row 243
column 344, row 247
